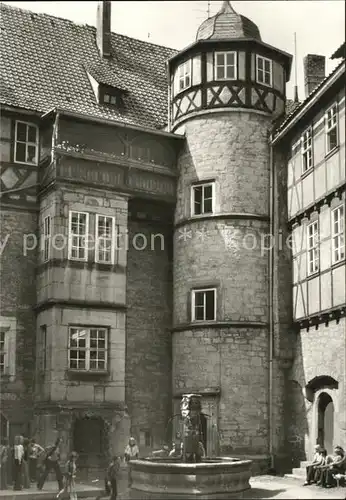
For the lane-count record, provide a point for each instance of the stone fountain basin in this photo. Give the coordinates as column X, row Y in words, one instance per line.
column 214, row 478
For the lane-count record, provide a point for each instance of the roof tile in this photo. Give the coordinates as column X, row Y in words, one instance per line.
column 44, row 61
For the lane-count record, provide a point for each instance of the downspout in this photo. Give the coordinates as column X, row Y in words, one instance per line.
column 271, row 303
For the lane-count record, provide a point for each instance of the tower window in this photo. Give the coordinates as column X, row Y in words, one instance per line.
column 332, row 128
column 184, row 75
column 264, row 70
column 202, row 198
column 338, row 234
column 26, row 143
column 203, row 305
column 225, row 66
column 313, row 250
column 307, row 150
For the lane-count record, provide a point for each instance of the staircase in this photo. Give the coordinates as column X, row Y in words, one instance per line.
column 299, row 472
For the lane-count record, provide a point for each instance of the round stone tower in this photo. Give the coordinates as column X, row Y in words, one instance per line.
column 225, row 91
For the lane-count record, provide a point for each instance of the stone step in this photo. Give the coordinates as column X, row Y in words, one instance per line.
column 299, row 477
column 305, row 463
column 301, row 471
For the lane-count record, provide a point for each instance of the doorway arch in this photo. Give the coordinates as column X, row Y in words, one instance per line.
column 325, row 421
column 89, row 441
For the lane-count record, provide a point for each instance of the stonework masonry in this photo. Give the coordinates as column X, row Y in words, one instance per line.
column 17, row 300
column 318, row 353
column 148, row 331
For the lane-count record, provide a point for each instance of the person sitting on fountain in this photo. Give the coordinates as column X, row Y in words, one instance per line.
column 201, row 452
column 163, row 453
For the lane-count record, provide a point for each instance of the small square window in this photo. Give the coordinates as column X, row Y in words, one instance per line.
column 202, row 199
column 264, row 70
column 203, row 305
column 225, row 66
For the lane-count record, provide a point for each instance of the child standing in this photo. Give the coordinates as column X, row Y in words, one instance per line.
column 70, row 476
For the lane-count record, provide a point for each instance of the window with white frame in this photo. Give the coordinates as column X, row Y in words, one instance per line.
column 332, row 128
column 338, row 234
column 203, row 305
column 202, row 198
column 225, row 66
column 87, row 348
column 264, row 70
column 313, row 247
column 3, row 352
column 78, row 235
column 46, row 237
column 307, row 150
column 105, row 239
column 26, row 144
column 184, row 75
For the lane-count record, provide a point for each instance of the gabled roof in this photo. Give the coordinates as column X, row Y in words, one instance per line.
column 302, row 107
column 44, row 61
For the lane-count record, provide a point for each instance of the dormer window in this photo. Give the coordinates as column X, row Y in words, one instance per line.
column 264, row 70
column 184, row 74
column 225, row 66
column 109, row 99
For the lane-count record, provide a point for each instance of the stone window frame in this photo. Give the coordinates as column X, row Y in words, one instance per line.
column 194, row 292
column 8, row 326
column 111, row 239
column 312, row 245
column 34, row 144
column 338, row 250
column 264, row 71
column 47, row 236
column 307, row 150
column 183, row 84
column 225, row 53
column 331, row 125
column 71, row 235
column 87, row 349
column 202, row 185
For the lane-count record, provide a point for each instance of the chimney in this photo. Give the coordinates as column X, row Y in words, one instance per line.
column 314, row 72
column 103, row 28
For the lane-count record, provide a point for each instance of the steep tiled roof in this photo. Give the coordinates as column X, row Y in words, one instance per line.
column 292, row 110
column 44, row 60
column 340, row 52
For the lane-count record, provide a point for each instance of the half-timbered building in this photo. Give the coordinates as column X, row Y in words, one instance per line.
column 141, row 188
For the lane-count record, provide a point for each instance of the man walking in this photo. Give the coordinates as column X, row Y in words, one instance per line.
column 51, row 462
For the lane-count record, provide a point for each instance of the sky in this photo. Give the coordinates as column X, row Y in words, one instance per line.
column 319, row 25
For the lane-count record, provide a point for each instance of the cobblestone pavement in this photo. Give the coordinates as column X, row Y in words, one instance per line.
column 262, row 487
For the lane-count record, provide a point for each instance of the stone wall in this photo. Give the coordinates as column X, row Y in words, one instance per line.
column 226, row 251
column 148, row 334
column 236, row 361
column 18, row 297
column 318, row 353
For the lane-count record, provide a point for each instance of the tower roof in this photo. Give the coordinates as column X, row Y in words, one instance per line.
column 227, row 24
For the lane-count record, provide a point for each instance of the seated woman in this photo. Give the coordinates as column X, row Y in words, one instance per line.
column 335, row 466
column 311, row 469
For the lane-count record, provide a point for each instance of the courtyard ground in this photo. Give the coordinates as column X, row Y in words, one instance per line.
column 262, row 487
